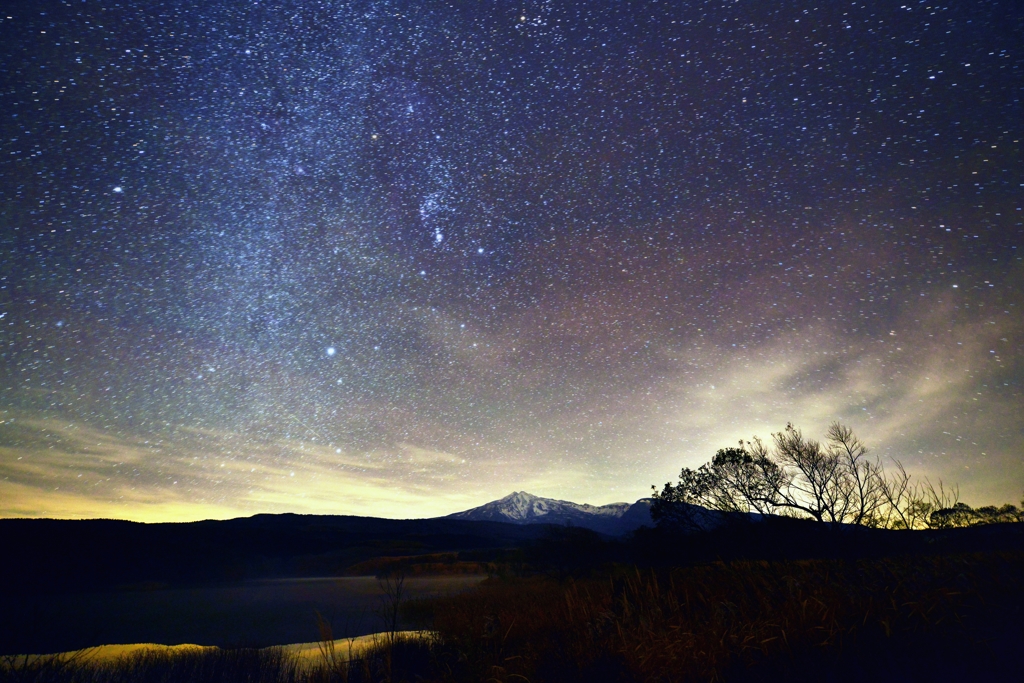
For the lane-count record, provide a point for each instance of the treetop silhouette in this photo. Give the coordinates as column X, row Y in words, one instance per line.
column 832, row 481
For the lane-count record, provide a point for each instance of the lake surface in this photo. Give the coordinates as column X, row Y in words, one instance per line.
column 249, row 614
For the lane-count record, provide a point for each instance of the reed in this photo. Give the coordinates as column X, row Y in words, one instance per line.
column 800, row 620
column 393, row 658
column 268, row 665
column 904, row 618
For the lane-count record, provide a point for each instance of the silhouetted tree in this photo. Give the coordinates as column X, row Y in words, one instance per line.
column 961, row 515
column 910, row 505
column 833, row 481
column 829, row 482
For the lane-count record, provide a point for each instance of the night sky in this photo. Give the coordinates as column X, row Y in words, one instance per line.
column 402, row 258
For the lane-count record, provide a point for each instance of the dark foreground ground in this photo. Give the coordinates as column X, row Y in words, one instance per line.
column 911, row 618
column 754, row 602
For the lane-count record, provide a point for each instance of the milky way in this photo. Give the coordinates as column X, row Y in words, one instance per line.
column 400, row 258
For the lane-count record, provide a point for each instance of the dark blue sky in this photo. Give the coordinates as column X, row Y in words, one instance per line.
column 400, row 258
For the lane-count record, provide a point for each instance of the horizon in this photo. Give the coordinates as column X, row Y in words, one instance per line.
column 312, row 514
column 383, row 260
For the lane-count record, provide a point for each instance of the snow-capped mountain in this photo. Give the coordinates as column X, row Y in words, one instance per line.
column 524, row 508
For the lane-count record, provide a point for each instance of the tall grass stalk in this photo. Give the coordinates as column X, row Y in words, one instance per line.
column 743, row 621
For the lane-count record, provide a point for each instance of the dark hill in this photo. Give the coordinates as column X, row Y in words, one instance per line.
column 46, row 555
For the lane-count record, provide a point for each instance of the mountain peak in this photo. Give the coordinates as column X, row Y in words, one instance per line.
column 520, row 507
column 519, row 495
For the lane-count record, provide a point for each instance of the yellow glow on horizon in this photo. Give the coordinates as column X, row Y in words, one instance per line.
column 72, row 471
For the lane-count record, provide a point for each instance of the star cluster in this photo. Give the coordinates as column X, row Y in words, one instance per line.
column 399, row 258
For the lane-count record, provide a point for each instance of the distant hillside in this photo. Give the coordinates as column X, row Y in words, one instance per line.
column 74, row 555
column 521, row 507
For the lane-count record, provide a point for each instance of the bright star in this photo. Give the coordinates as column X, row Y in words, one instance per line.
column 331, row 351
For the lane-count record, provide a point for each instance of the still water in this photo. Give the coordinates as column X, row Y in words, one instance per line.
column 249, row 614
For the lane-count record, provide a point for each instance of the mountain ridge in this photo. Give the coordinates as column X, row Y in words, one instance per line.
column 520, row 507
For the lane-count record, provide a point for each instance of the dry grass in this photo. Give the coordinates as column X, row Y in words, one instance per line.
column 853, row 620
column 384, row 657
column 204, row 665
column 907, row 618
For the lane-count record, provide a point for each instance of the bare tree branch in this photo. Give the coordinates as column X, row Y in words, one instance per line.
column 834, row 481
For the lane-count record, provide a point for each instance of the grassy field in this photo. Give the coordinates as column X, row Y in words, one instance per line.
column 915, row 618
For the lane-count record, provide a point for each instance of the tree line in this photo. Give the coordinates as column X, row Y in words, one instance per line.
column 830, row 481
